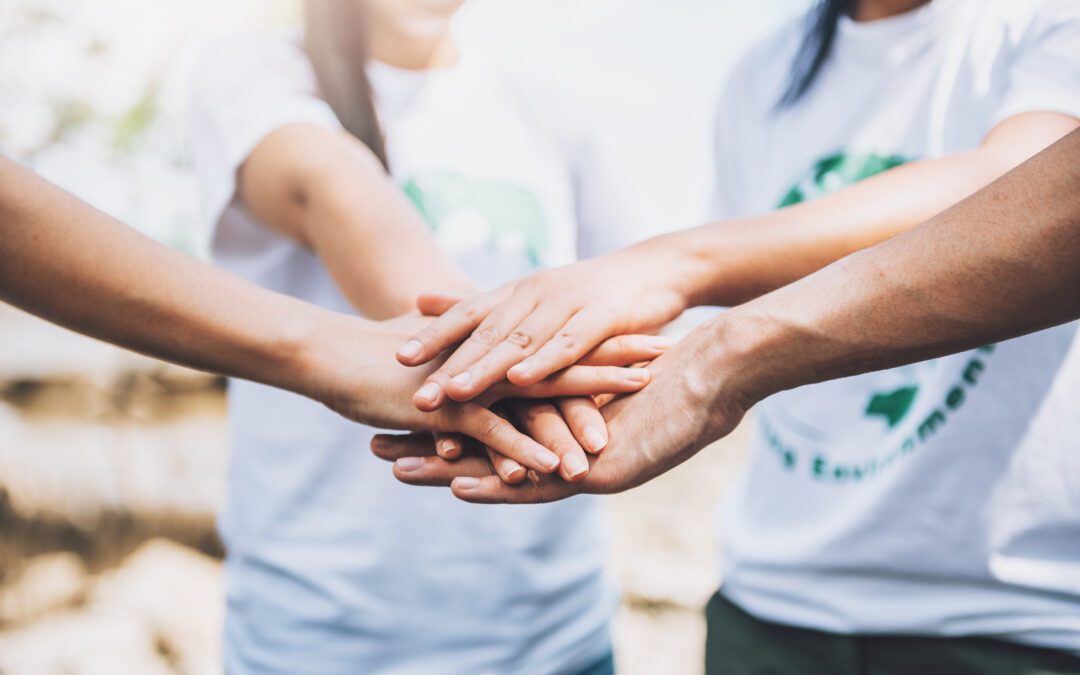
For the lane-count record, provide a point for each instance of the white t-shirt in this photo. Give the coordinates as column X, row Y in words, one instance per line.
column 881, row 503
column 333, row 566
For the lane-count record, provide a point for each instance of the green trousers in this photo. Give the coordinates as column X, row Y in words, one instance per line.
column 739, row 644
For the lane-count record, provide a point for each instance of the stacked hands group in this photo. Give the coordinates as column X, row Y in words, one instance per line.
column 542, row 390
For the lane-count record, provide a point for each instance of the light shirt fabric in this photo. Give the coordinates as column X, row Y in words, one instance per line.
column 333, row 566
column 930, row 499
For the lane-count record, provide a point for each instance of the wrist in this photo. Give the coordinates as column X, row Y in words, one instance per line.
column 694, row 260
column 313, row 351
column 748, row 355
column 669, row 263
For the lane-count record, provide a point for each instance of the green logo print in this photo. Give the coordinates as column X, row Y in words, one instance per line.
column 836, row 172
column 499, row 215
column 893, row 406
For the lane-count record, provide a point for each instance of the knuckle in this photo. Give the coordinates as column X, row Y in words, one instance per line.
column 490, row 427
column 567, row 340
column 465, row 311
column 486, row 336
column 520, row 339
column 427, row 335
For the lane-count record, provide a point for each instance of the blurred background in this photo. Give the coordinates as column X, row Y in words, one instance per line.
column 112, row 465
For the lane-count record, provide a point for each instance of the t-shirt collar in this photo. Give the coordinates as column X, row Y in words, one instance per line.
column 879, row 35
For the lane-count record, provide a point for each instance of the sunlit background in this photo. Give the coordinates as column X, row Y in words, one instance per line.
column 112, row 465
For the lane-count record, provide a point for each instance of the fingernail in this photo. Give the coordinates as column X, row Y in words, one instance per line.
column 447, row 447
column 409, row 464
column 576, row 466
column 466, row 483
column 637, row 375
column 462, row 379
column 429, row 392
column 546, row 459
column 410, row 349
column 657, row 342
column 516, row 474
column 521, row 370
column 595, row 439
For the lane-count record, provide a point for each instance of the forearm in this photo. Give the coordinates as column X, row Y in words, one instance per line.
column 1002, row 263
column 71, row 264
column 329, row 193
column 377, row 249
column 731, row 262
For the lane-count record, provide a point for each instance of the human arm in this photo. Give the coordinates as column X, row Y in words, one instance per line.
column 527, row 329
column 1002, row 263
column 78, row 267
column 327, row 191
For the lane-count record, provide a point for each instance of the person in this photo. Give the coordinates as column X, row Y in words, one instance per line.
column 325, row 159
column 939, row 98
column 75, row 266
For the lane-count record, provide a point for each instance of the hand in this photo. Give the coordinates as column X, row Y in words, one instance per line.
column 695, row 397
column 353, row 371
column 568, row 426
column 555, row 318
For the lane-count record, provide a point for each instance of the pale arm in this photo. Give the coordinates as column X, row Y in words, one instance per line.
column 527, row 329
column 75, row 266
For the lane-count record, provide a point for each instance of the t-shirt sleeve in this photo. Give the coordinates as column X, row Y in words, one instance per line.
column 1044, row 73
column 242, row 91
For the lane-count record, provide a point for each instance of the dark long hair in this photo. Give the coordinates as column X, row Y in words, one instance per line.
column 336, row 41
column 817, row 44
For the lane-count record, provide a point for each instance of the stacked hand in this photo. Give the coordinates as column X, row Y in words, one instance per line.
column 528, row 329
column 557, row 411
column 683, row 408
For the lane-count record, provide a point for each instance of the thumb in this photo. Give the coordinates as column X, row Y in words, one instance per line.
column 436, row 303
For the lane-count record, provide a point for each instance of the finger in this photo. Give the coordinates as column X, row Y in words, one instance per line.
column 585, row 422
column 436, row 471
column 510, row 471
column 498, row 434
column 449, row 446
column 545, row 423
column 438, row 303
column 491, row 490
column 396, row 446
column 581, row 334
column 533, row 331
column 624, row 350
column 586, row 381
column 486, row 337
column 452, row 327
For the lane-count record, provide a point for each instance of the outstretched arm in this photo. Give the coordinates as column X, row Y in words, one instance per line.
column 74, row 265
column 1002, row 263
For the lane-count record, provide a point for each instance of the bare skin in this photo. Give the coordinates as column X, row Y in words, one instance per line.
column 75, row 266
column 1002, row 263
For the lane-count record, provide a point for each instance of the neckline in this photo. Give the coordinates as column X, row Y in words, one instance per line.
column 893, row 27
